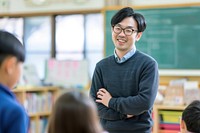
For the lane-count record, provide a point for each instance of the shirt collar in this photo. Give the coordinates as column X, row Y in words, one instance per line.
column 126, row 56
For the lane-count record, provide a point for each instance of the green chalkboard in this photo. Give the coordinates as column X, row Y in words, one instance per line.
column 172, row 36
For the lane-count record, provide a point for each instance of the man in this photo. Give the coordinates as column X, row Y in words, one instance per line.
column 125, row 84
column 13, row 117
column 190, row 122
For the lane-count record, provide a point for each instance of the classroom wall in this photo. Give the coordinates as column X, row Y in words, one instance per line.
column 161, row 2
column 29, row 6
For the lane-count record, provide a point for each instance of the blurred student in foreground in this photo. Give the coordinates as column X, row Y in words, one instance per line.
column 13, row 117
column 190, row 122
column 74, row 112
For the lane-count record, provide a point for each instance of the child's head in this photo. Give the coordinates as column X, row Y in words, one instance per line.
column 191, row 118
column 74, row 112
column 12, row 55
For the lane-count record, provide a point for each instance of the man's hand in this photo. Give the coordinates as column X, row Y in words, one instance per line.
column 104, row 96
column 129, row 116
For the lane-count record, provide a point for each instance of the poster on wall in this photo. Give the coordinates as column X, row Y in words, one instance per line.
column 67, row 73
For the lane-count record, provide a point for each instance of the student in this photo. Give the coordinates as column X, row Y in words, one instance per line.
column 13, row 117
column 190, row 122
column 74, row 112
column 124, row 85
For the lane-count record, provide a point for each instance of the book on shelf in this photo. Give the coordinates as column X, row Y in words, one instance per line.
column 181, row 92
column 170, row 126
column 32, row 126
column 178, row 82
column 174, row 95
column 169, row 131
column 43, row 124
column 191, row 84
column 172, row 117
column 39, row 102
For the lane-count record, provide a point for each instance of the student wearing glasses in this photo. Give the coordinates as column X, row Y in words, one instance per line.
column 190, row 122
column 124, row 85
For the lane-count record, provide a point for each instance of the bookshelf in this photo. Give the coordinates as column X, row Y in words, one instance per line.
column 156, row 117
column 38, row 102
column 157, row 109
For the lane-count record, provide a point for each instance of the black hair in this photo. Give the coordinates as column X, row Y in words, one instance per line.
column 10, row 46
column 128, row 12
column 191, row 116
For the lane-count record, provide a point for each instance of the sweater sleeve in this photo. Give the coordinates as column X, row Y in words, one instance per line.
column 143, row 101
column 103, row 111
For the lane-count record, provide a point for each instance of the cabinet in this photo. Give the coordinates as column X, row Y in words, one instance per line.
column 156, row 116
column 38, row 102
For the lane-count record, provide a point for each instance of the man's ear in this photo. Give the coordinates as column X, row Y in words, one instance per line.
column 138, row 36
column 111, row 29
column 9, row 65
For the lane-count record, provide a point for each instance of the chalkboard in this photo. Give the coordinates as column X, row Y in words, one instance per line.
column 172, row 36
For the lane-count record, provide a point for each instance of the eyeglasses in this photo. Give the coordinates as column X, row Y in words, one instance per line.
column 127, row 31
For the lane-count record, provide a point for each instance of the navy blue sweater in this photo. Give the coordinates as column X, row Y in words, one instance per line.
column 13, row 118
column 133, row 86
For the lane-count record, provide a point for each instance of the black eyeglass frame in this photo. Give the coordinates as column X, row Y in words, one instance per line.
column 123, row 29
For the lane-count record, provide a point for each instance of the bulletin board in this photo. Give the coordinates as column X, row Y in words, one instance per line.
column 67, row 73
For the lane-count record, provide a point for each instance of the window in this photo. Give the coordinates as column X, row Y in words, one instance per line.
column 80, row 37
column 70, row 37
column 37, row 40
column 77, row 37
column 13, row 25
column 94, row 40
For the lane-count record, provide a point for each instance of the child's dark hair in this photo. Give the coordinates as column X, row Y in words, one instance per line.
column 10, row 46
column 191, row 116
column 129, row 12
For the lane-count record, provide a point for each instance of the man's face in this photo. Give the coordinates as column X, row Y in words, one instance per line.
column 124, row 41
